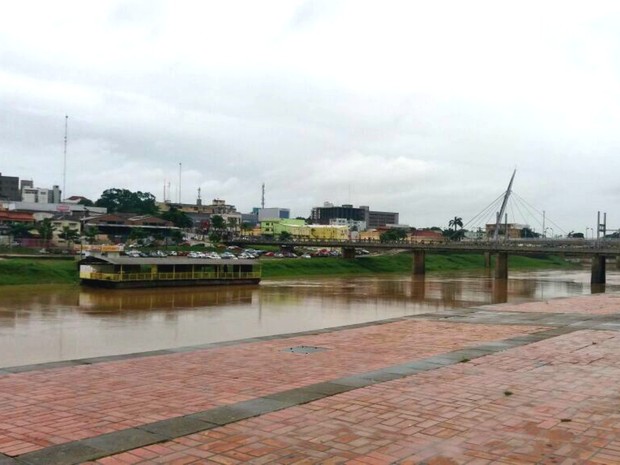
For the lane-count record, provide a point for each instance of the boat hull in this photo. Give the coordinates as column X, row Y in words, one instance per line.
column 166, row 283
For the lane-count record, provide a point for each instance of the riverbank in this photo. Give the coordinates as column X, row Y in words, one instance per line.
column 38, row 271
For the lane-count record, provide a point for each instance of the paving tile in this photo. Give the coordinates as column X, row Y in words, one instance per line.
column 63, row 454
column 176, row 427
column 122, row 440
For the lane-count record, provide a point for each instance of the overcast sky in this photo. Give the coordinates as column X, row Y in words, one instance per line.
column 419, row 107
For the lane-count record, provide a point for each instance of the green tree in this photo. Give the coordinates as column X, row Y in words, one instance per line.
column 178, row 217
column 215, row 237
column 45, row 230
column 393, row 235
column 86, row 202
column 456, row 235
column 91, row 234
column 528, row 233
column 218, row 223
column 176, row 236
column 285, row 236
column 69, row 234
column 232, row 225
column 125, row 201
column 19, row 230
column 137, row 234
column 245, row 228
column 456, row 222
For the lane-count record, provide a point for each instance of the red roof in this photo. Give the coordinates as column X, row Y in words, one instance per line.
column 427, row 233
column 21, row 217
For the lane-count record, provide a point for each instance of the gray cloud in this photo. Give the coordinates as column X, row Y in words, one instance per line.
column 400, row 106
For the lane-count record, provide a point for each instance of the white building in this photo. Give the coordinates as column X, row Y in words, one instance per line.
column 32, row 194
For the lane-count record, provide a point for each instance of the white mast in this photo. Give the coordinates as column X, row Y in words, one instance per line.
column 180, row 165
column 503, row 209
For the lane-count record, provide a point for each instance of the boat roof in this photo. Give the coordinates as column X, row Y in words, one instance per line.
column 164, row 261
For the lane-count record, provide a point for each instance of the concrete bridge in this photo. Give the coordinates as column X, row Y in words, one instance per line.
column 597, row 250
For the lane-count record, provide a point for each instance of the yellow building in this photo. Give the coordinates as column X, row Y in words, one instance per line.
column 298, row 229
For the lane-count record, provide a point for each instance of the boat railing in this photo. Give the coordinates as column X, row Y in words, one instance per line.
column 170, row 276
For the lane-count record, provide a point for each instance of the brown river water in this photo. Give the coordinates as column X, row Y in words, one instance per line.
column 52, row 323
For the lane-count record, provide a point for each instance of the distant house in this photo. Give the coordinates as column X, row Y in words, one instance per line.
column 118, row 226
column 62, row 221
column 514, row 230
column 8, row 216
column 427, row 235
column 75, row 199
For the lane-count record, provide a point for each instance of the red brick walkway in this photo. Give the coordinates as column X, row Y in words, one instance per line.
column 42, row 408
column 597, row 304
column 553, row 402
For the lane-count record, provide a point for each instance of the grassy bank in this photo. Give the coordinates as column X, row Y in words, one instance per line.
column 399, row 263
column 33, row 271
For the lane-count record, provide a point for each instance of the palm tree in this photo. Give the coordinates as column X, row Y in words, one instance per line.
column 46, row 230
column 232, row 225
column 456, row 222
column 69, row 234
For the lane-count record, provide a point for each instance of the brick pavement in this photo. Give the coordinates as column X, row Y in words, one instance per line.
column 398, row 392
column 596, row 304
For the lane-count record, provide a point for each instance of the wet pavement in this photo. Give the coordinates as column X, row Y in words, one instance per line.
column 506, row 384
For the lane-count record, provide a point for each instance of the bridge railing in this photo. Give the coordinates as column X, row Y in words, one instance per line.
column 525, row 246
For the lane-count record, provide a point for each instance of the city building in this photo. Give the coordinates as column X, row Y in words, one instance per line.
column 351, row 224
column 40, row 194
column 298, row 229
column 272, row 213
column 201, row 214
column 514, row 230
column 118, row 226
column 35, row 207
column 379, row 219
column 329, row 213
column 9, row 188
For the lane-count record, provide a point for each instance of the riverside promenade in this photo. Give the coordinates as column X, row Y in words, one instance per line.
column 533, row 383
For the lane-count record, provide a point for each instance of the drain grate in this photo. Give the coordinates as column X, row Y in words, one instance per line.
column 304, row 349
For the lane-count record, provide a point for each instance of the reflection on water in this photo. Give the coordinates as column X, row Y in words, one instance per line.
column 49, row 323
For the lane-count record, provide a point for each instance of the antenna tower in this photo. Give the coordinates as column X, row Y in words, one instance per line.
column 262, row 202
column 180, row 165
column 64, row 167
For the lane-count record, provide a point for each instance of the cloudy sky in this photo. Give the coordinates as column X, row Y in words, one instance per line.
column 420, row 107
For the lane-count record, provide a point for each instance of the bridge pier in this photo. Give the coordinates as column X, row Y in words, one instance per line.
column 487, row 259
column 419, row 265
column 500, row 291
column 418, row 287
column 501, row 265
column 348, row 252
column 617, row 262
column 598, row 269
